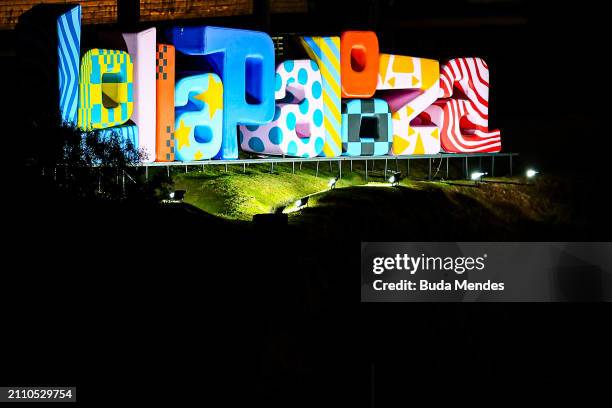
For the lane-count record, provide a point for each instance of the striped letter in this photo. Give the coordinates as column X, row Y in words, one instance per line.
column 325, row 51
column 463, row 113
column 49, row 52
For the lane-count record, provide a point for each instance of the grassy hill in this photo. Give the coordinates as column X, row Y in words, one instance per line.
column 503, row 209
column 239, row 195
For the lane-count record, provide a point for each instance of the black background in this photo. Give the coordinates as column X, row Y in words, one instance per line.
column 244, row 326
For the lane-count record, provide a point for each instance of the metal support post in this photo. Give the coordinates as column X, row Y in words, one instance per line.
column 447, row 159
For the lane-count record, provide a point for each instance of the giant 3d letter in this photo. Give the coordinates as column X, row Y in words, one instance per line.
column 366, row 127
column 297, row 127
column 142, row 50
column 245, row 62
column 463, row 114
column 49, row 43
column 164, row 80
column 105, row 89
column 69, row 33
column 359, row 63
column 325, row 51
column 410, row 85
column 199, row 117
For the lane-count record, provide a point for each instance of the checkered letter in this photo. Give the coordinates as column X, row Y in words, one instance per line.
column 105, row 89
column 164, row 81
column 366, row 127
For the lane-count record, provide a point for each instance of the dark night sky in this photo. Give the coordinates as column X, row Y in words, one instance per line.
column 545, row 58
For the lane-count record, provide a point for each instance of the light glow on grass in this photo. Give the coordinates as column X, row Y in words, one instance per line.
column 238, row 196
column 477, row 175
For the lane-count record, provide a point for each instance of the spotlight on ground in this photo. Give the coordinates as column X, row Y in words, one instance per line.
column 302, row 202
column 531, row 173
column 175, row 197
column 477, row 175
column 395, row 178
column 332, row 183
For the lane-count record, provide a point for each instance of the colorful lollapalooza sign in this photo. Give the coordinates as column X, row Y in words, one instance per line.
column 204, row 91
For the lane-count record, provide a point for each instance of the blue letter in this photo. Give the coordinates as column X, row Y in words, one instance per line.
column 245, row 62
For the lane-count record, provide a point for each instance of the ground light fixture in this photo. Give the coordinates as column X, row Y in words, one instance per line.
column 477, row 175
column 175, row 197
column 302, row 202
column 531, row 173
column 395, row 178
column 179, row 195
column 332, row 183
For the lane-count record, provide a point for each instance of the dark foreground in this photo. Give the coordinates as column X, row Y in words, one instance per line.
column 119, row 301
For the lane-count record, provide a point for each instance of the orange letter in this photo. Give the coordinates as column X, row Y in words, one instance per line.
column 359, row 63
column 164, row 75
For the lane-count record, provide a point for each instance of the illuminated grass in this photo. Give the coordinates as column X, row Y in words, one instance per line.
column 238, row 195
column 503, row 210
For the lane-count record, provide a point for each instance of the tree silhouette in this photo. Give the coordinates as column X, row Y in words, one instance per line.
column 90, row 165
